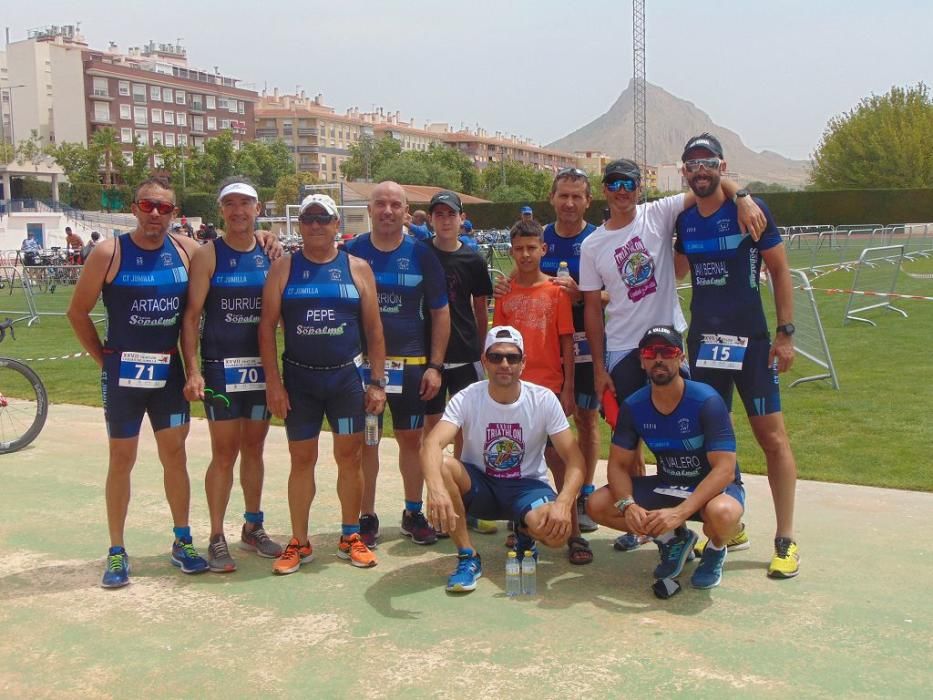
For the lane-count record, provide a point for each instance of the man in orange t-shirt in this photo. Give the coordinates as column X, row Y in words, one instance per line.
column 541, row 312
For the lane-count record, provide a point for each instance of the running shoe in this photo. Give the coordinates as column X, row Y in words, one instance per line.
column 786, row 560
column 353, row 549
column 483, row 527
column 218, row 556
column 117, row 571
column 674, row 553
column 469, row 571
column 587, row 524
column 292, row 557
column 524, row 543
column 415, row 525
column 369, row 529
column 257, row 540
column 628, row 541
column 708, row 573
column 738, row 542
column 186, row 557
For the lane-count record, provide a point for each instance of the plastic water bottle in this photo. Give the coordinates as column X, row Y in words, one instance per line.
column 513, row 575
column 563, row 270
column 371, row 431
column 529, row 574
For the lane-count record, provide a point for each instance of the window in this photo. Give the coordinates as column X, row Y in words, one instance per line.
column 224, row 124
column 156, row 137
column 139, row 93
column 126, row 112
column 157, row 160
column 211, row 102
column 183, row 140
column 167, row 95
column 155, row 93
column 140, row 116
column 123, row 88
column 179, row 97
column 100, row 87
column 128, row 157
column 143, row 136
column 231, row 107
column 169, row 139
column 197, row 102
column 181, row 118
column 157, row 116
column 212, row 123
column 168, row 117
column 126, row 135
column 241, row 107
column 221, row 103
column 101, row 112
column 197, row 123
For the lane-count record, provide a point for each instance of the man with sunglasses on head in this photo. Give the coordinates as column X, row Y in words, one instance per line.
column 226, row 279
column 411, row 287
column 688, row 428
column 327, row 303
column 143, row 276
column 631, row 257
column 506, row 426
column 729, row 343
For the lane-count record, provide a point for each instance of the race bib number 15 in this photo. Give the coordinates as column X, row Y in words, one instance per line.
column 722, row 351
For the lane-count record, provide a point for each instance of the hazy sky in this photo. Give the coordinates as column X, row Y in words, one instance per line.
column 773, row 71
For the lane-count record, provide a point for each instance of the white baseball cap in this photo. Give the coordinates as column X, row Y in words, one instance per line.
column 322, row 200
column 504, row 334
column 238, row 188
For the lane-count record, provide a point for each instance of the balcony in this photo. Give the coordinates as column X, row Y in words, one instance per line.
column 195, row 131
column 101, row 95
column 266, row 133
column 101, row 120
column 307, row 149
column 196, row 108
column 302, row 131
column 312, row 167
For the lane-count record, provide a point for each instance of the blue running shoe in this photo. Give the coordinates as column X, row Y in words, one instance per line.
column 674, row 553
column 186, row 557
column 117, row 573
column 523, row 544
column 628, row 541
column 708, row 573
column 469, row 570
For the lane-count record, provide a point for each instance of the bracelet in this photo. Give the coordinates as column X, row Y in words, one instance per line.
column 624, row 503
column 436, row 367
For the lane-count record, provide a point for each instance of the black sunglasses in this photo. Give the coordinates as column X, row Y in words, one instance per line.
column 147, row 205
column 321, row 219
column 495, row 358
column 563, row 172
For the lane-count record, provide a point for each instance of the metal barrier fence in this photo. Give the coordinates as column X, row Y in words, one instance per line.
column 28, row 292
column 840, row 247
column 873, row 274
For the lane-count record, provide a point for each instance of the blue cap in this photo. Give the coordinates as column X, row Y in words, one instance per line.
column 467, row 225
column 527, row 210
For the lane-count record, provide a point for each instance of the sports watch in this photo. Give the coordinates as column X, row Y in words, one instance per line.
column 435, row 366
column 787, row 329
column 380, row 383
column 740, row 193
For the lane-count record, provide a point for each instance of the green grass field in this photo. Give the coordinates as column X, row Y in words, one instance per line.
column 876, row 430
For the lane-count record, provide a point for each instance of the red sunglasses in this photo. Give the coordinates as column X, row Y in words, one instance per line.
column 665, row 352
column 147, row 205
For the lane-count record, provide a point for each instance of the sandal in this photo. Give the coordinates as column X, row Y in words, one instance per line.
column 580, row 552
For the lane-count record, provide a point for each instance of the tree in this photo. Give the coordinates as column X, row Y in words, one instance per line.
column 264, row 163
column 288, row 189
column 883, row 142
column 106, row 142
column 80, row 163
column 7, row 152
column 758, row 187
column 368, row 155
column 136, row 169
column 30, row 150
column 509, row 178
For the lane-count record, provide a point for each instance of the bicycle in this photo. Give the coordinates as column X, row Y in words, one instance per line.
column 24, row 402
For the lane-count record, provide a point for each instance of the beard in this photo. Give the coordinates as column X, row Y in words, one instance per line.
column 706, row 188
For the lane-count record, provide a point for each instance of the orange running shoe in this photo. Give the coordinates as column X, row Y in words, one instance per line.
column 294, row 555
column 354, row 549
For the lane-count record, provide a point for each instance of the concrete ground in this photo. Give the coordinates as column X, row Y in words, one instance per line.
column 858, row 621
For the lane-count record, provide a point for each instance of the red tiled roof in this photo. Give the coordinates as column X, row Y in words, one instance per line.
column 417, row 194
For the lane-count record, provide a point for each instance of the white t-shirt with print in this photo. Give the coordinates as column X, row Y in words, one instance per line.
column 507, row 440
column 635, row 265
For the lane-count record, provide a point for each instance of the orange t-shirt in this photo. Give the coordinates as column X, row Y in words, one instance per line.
column 541, row 314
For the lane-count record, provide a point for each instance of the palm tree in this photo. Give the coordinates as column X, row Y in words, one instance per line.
column 108, row 144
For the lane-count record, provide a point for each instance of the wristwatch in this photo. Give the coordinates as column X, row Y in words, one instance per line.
column 624, row 503
column 787, row 329
column 435, row 366
column 379, row 383
column 741, row 193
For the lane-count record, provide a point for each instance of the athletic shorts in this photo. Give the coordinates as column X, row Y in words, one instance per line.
column 757, row 381
column 125, row 406
column 584, row 385
column 314, row 393
column 406, row 407
column 490, row 498
column 643, row 491
column 220, row 404
column 626, row 372
column 453, row 380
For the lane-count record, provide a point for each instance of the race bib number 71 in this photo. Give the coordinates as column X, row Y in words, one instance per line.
column 144, row 370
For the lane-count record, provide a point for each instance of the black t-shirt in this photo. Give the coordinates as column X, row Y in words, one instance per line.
column 467, row 277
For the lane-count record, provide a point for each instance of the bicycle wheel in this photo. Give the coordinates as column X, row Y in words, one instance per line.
column 24, row 405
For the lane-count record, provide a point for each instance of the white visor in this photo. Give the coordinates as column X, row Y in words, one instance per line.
column 238, row 188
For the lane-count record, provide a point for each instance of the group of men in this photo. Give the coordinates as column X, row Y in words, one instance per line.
column 388, row 320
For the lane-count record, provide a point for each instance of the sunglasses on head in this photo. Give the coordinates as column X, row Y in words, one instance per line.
column 694, row 164
column 316, row 218
column 495, row 358
column 147, row 205
column 621, row 183
column 563, row 172
column 665, row 352
column 216, row 399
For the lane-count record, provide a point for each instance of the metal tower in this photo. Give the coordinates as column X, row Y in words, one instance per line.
column 638, row 86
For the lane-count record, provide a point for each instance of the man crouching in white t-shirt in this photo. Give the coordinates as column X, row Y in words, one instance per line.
column 506, row 424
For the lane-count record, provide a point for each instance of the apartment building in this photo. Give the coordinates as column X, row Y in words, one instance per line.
column 483, row 149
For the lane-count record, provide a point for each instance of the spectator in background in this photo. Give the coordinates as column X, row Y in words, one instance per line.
column 527, row 214
column 74, row 243
column 186, row 227
column 417, row 225
column 90, row 245
column 466, row 234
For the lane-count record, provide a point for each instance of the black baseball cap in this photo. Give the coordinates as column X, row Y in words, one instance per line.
column 668, row 334
column 623, row 167
column 705, row 141
column 451, row 199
